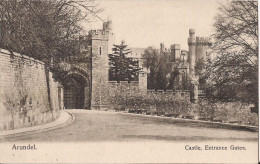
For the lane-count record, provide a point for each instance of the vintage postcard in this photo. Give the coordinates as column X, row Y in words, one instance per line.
column 129, row 81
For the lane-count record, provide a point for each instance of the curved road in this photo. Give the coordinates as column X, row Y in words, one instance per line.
column 112, row 126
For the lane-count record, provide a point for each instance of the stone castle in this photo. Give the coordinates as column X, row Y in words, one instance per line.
column 88, row 84
column 184, row 60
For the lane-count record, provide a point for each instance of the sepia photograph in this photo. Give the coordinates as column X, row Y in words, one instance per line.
column 129, row 81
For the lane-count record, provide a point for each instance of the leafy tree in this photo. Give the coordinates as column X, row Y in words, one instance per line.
column 152, row 62
column 122, row 68
column 162, row 72
column 234, row 72
column 158, row 63
column 200, row 67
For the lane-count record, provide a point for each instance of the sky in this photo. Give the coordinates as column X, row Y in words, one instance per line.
column 143, row 23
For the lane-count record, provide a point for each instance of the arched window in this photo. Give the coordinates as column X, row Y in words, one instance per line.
column 100, row 50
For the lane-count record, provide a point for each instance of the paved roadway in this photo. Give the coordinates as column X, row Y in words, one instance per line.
column 112, row 126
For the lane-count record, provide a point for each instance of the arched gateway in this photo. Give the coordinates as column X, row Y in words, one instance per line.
column 76, row 90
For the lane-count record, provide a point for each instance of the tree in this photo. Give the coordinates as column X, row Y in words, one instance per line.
column 236, row 27
column 151, row 56
column 163, row 72
column 234, row 71
column 158, row 63
column 200, row 67
column 122, row 68
column 44, row 29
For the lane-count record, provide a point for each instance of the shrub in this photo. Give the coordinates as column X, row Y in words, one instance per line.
column 175, row 105
column 206, row 109
column 236, row 111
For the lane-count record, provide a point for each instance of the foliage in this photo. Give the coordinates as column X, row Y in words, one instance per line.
column 122, row 68
column 155, row 103
column 161, row 74
column 236, row 27
column 152, row 62
column 176, row 105
column 235, row 111
column 200, row 67
column 44, row 29
column 205, row 109
column 233, row 74
column 231, row 79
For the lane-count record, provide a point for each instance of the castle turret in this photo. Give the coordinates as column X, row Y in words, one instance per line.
column 175, row 52
column 192, row 50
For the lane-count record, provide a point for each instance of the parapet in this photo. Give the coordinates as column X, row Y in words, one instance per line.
column 203, row 41
column 175, row 47
column 98, row 32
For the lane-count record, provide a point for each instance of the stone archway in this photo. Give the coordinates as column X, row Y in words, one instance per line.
column 76, row 91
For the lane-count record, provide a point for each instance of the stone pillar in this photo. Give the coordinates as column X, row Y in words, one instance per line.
column 194, row 93
column 194, row 89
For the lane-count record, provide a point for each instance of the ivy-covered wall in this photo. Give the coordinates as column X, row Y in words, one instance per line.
column 25, row 99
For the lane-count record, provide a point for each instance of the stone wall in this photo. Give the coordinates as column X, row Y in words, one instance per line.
column 24, row 93
column 124, row 88
column 183, row 93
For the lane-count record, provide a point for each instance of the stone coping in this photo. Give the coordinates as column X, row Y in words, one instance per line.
column 6, row 52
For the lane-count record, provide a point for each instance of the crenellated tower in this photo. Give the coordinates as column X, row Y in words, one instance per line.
column 198, row 49
column 175, row 52
column 202, row 47
column 101, row 45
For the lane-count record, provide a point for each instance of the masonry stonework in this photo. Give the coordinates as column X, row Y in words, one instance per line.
column 24, row 94
column 101, row 45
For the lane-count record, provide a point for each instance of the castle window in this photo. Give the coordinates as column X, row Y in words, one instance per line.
column 100, row 50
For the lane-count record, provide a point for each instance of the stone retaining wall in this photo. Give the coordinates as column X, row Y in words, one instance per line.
column 24, row 92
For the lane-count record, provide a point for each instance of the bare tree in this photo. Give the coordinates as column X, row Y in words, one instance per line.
column 233, row 74
column 44, row 29
column 237, row 29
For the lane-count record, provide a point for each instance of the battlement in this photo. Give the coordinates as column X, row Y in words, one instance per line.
column 175, row 47
column 98, row 32
column 203, row 41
